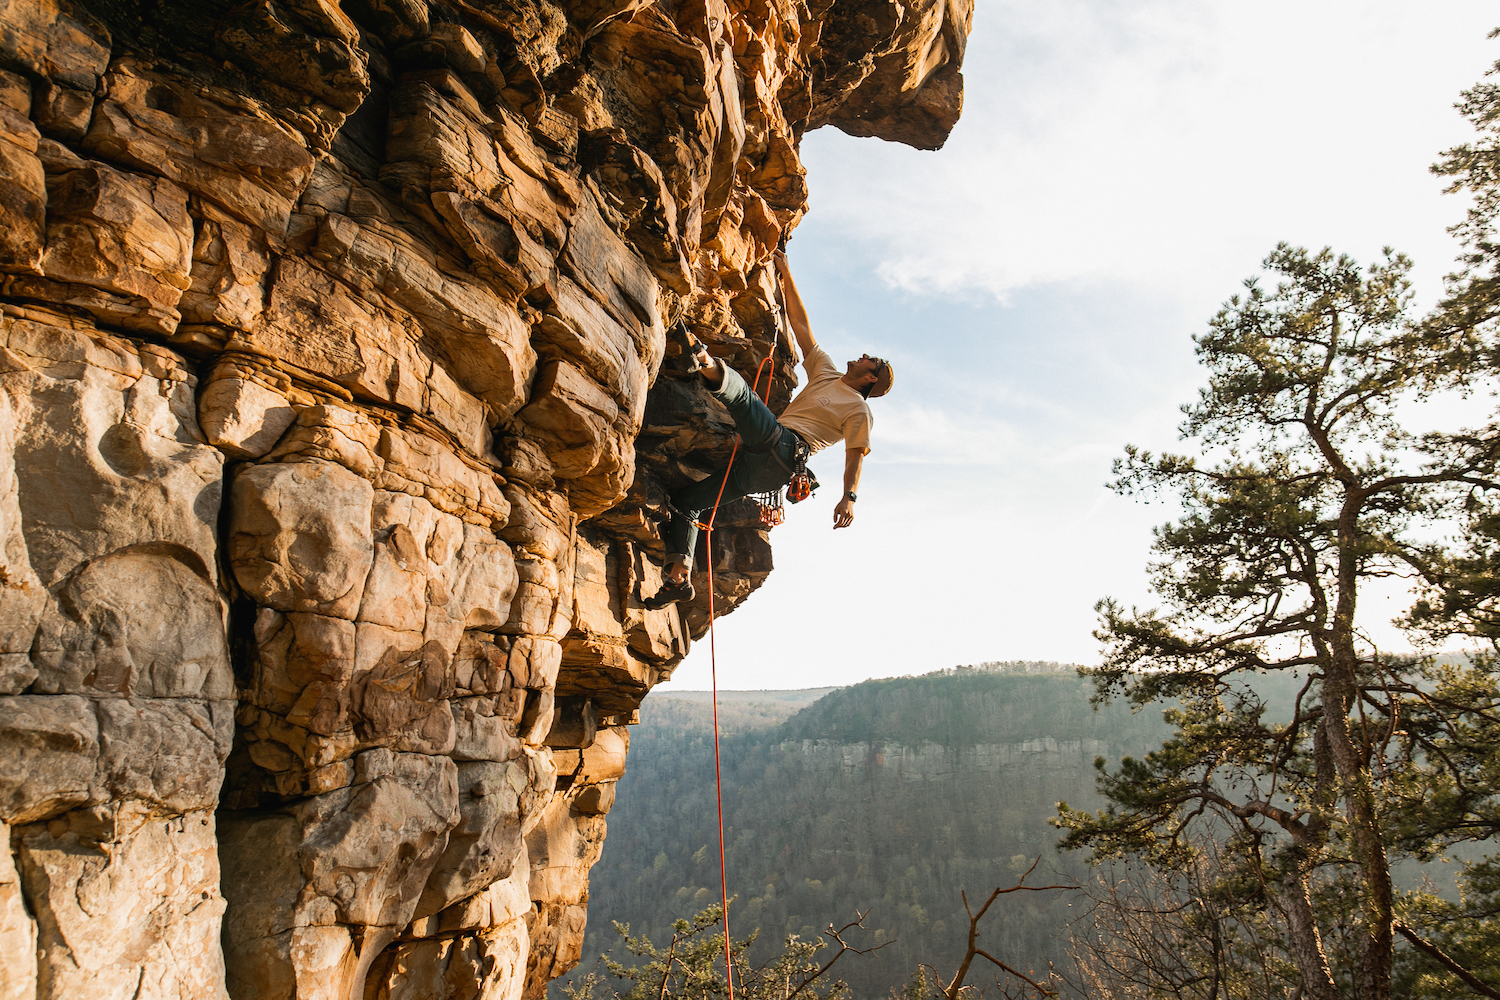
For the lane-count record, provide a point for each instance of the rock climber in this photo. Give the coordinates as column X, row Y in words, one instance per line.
column 832, row 407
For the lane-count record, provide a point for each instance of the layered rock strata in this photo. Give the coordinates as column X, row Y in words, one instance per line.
column 336, row 425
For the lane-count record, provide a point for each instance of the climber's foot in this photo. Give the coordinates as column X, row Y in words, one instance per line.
column 688, row 346
column 670, row 593
column 695, row 355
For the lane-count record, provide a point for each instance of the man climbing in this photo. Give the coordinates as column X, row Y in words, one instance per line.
column 831, row 408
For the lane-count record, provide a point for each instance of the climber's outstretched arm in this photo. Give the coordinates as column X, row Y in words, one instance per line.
column 801, row 329
column 843, row 512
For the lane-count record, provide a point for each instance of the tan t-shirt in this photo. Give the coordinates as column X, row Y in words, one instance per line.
column 828, row 411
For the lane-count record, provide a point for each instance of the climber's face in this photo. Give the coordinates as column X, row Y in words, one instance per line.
column 864, row 371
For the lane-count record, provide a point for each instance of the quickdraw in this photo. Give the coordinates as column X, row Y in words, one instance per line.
column 772, row 512
column 798, row 488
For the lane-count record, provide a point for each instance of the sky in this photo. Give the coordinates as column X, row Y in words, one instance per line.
column 1120, row 168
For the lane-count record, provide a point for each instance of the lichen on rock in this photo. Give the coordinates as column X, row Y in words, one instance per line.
column 336, row 427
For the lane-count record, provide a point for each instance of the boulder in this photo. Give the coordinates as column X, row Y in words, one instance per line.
column 52, row 749
column 105, row 893
column 299, row 536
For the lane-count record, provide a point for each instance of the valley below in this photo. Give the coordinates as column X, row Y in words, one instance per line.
column 887, row 798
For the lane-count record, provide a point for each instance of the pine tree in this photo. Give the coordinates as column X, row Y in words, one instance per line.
column 1473, row 293
column 1308, row 486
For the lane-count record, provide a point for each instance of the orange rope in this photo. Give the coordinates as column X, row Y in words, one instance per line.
column 714, row 676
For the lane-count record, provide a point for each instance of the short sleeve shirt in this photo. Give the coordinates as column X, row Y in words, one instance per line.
column 828, row 411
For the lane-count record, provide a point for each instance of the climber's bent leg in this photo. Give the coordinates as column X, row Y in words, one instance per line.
column 762, row 463
column 693, row 504
column 754, row 420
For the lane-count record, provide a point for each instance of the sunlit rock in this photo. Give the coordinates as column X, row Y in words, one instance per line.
column 337, row 421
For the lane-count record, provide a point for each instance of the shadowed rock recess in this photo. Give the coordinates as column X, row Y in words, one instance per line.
column 335, row 428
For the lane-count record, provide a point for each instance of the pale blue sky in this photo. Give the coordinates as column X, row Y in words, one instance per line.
column 1121, row 166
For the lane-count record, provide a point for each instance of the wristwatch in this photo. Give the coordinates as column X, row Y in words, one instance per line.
column 852, row 496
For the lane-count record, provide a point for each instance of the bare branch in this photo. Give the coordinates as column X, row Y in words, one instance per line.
column 1019, row 975
column 951, row 991
column 838, row 936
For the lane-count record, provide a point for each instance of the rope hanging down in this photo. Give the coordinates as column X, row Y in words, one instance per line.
column 708, row 531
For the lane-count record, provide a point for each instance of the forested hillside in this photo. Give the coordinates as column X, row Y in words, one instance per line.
column 889, row 796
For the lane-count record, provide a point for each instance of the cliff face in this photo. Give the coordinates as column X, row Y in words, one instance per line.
column 335, row 431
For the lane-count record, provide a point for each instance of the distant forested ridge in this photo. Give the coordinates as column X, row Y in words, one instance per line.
column 889, row 796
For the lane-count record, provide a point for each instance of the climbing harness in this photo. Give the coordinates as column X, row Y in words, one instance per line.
column 799, row 486
column 803, row 482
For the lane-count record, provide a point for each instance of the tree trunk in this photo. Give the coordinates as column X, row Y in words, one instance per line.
column 1307, row 942
column 1340, row 688
column 1375, row 972
column 1373, row 979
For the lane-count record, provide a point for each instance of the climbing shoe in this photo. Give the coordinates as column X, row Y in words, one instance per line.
column 670, row 593
column 695, row 356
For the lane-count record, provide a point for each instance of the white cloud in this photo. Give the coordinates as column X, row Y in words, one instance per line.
column 1169, row 144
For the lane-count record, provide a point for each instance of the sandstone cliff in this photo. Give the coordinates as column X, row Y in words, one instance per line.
column 335, row 429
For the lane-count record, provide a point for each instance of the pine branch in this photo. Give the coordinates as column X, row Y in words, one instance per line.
column 1440, row 957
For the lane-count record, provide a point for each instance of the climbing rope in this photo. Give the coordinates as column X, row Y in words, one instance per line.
column 713, row 661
